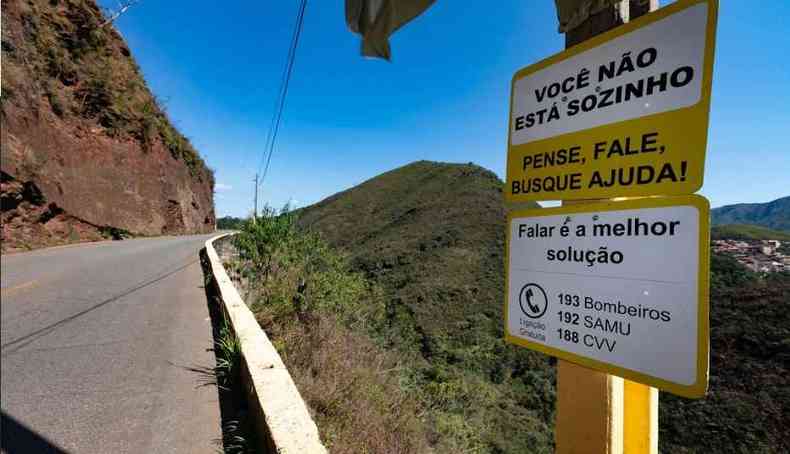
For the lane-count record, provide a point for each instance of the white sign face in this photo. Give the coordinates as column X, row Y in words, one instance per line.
column 617, row 284
column 654, row 69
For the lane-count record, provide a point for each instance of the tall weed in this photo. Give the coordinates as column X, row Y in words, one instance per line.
column 297, row 273
column 321, row 315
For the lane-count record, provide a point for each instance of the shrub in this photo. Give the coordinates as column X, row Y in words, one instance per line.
column 319, row 315
column 298, row 273
column 114, row 233
column 56, row 104
column 148, row 124
column 59, row 66
column 94, row 97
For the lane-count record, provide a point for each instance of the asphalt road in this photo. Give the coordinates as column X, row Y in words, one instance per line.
column 98, row 346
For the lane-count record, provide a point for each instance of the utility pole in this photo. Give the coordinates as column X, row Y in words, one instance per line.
column 598, row 412
column 255, row 210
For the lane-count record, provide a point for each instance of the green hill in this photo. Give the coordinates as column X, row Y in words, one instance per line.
column 746, row 232
column 432, row 235
column 774, row 215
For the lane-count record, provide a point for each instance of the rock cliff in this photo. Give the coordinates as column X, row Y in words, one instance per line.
column 87, row 151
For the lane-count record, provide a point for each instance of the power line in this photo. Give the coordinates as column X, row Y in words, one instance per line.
column 274, row 126
column 279, row 92
column 287, row 78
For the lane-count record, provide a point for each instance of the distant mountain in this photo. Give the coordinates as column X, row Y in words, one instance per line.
column 774, row 215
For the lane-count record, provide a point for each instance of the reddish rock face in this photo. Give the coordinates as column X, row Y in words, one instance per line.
column 105, row 181
column 70, row 173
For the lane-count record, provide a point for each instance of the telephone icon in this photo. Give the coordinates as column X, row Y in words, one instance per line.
column 533, row 301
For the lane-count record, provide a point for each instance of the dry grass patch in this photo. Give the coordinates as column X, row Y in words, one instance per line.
column 351, row 386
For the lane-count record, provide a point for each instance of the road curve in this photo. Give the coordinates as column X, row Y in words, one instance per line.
column 99, row 346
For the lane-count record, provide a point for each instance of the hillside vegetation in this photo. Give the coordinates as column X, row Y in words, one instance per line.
column 69, row 56
column 774, row 215
column 322, row 317
column 747, row 409
column 746, row 232
column 385, row 301
column 431, row 235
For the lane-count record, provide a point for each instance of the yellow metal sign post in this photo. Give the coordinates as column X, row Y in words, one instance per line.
column 620, row 114
column 588, row 284
column 640, row 418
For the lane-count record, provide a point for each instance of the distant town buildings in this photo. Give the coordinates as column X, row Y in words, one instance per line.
column 757, row 255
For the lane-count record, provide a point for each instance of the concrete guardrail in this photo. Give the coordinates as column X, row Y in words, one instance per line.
column 282, row 420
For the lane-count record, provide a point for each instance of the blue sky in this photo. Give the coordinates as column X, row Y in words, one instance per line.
column 444, row 97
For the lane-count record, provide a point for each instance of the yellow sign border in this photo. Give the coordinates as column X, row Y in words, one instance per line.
column 699, row 387
column 699, row 110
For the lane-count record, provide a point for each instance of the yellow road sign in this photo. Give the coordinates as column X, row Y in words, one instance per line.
column 622, row 114
column 620, row 287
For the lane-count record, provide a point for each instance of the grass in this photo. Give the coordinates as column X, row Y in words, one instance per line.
column 227, row 350
column 353, row 388
column 234, row 439
column 238, row 435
